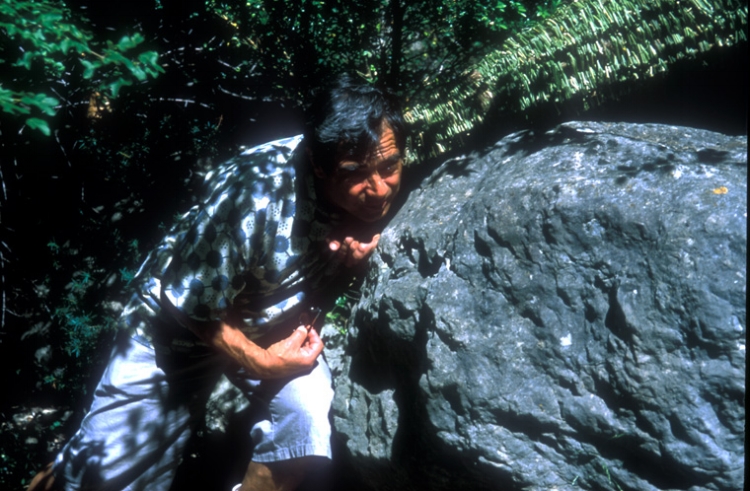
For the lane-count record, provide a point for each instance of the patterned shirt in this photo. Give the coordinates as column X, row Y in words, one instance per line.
column 250, row 254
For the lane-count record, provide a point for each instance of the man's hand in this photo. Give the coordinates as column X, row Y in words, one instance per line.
column 290, row 356
column 353, row 252
column 294, row 354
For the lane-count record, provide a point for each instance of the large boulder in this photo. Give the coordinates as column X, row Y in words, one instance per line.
column 562, row 311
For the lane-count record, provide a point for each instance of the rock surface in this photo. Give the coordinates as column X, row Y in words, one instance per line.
column 565, row 311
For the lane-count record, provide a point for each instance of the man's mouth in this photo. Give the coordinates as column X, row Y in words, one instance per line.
column 375, row 207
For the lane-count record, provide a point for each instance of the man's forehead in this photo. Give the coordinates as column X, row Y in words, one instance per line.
column 380, row 154
column 387, row 138
column 385, row 148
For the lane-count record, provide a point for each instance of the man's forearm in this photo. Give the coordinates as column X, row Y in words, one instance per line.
column 289, row 356
column 233, row 343
column 226, row 339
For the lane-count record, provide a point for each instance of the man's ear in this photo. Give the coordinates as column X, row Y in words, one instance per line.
column 317, row 170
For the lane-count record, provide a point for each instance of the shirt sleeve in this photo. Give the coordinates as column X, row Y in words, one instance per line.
column 221, row 239
column 205, row 272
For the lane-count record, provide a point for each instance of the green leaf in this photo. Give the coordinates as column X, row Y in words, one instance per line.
column 88, row 69
column 114, row 87
column 38, row 124
column 47, row 104
column 150, row 60
column 138, row 72
column 129, row 42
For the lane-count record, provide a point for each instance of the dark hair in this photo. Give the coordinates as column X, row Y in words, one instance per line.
column 345, row 121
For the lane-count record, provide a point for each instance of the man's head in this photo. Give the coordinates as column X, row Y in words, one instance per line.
column 356, row 139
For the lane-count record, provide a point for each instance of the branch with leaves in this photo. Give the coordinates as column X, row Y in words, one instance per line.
column 587, row 52
column 43, row 37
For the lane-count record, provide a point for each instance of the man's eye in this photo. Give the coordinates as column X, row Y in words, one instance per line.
column 389, row 168
column 347, row 168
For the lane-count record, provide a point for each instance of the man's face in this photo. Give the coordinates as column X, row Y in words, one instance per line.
column 366, row 190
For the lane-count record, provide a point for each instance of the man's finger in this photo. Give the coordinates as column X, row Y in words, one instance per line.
column 351, row 251
column 346, row 246
column 365, row 249
column 314, row 343
column 299, row 336
column 360, row 253
column 340, row 246
column 373, row 243
column 350, row 259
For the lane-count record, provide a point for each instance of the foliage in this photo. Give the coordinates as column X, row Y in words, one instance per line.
column 585, row 53
column 286, row 46
column 339, row 314
column 40, row 43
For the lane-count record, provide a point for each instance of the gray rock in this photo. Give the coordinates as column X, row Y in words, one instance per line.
column 565, row 311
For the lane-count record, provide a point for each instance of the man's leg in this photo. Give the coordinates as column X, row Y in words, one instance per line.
column 285, row 475
column 44, row 480
column 291, row 433
column 136, row 430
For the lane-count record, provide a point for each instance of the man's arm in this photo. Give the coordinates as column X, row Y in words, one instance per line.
column 353, row 252
column 290, row 356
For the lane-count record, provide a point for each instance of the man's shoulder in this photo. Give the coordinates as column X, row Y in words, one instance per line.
column 281, row 148
column 256, row 164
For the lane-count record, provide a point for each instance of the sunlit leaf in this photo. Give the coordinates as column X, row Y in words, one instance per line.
column 38, row 124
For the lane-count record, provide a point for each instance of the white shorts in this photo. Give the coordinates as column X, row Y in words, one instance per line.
column 142, row 415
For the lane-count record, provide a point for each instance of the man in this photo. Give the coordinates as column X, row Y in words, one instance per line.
column 224, row 293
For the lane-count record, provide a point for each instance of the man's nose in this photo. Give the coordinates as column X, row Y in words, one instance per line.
column 377, row 185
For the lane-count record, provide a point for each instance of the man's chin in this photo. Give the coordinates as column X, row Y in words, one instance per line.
column 372, row 215
column 368, row 219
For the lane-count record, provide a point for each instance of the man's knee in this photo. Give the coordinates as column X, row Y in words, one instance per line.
column 307, row 399
column 44, row 480
column 284, row 475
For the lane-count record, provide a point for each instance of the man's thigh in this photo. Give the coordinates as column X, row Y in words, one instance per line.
column 136, row 430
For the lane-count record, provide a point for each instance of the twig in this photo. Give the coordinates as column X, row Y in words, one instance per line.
column 233, row 94
column 2, row 179
column 62, row 149
column 236, row 68
column 2, row 282
column 101, row 57
column 184, row 101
